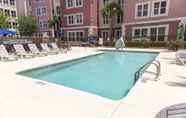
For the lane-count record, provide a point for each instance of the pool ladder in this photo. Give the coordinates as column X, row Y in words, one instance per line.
column 156, row 63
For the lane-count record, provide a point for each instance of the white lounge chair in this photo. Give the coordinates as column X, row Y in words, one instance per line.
column 181, row 56
column 34, row 50
column 20, row 51
column 45, row 48
column 5, row 56
column 56, row 48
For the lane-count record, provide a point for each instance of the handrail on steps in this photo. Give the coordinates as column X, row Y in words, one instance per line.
column 156, row 63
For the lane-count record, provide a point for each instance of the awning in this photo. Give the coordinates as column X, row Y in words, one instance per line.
column 6, row 32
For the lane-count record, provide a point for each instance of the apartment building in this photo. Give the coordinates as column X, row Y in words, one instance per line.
column 42, row 11
column 104, row 21
column 56, row 7
column 155, row 20
column 23, row 7
column 79, row 19
column 8, row 7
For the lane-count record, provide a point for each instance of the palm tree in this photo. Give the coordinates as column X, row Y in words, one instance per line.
column 111, row 10
column 55, row 23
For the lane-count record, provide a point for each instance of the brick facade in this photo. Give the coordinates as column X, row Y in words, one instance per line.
column 147, row 18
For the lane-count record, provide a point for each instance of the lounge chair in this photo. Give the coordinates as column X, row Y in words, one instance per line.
column 20, row 51
column 56, row 48
column 5, row 56
column 45, row 48
column 181, row 56
column 34, row 50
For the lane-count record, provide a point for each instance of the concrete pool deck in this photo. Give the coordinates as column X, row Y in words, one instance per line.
column 23, row 97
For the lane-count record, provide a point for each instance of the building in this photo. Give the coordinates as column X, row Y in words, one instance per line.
column 42, row 11
column 79, row 19
column 8, row 7
column 23, row 7
column 154, row 20
column 56, row 7
column 104, row 21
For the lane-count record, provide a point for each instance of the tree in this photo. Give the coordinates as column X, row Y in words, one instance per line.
column 55, row 23
column 3, row 21
column 27, row 25
column 111, row 10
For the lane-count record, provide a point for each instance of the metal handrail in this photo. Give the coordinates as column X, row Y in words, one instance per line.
column 137, row 73
column 158, row 68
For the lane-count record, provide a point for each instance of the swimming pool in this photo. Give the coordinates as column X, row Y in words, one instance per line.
column 110, row 75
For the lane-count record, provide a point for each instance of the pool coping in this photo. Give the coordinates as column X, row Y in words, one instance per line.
column 98, row 52
column 135, row 111
column 62, row 62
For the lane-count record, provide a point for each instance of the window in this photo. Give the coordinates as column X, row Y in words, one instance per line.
column 79, row 3
column 120, row 2
column 140, row 33
column 105, row 20
column 75, row 35
column 43, row 11
column 159, row 8
column 118, row 34
column 13, row 13
column 105, row 2
column 154, row 33
column 1, row 10
column 70, row 20
column 40, row 24
column 14, row 25
column 5, row 2
column 74, row 19
column 38, row 12
column 144, row 32
column 69, row 3
column 158, row 34
column 137, row 33
column 105, row 35
column 79, row 19
column 7, row 12
column 74, row 3
column 43, row 24
column 58, row 10
column 142, row 10
column 12, row 2
column 119, row 18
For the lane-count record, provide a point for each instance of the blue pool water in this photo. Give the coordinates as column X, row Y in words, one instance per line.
column 110, row 75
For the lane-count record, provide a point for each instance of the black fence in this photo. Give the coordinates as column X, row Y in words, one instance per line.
column 140, row 42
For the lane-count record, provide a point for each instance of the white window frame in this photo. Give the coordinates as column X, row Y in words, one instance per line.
column 120, row 17
column 38, row 11
column 74, row 4
column 105, row 20
column 105, row 31
column 75, row 32
column 41, row 11
column 75, row 19
column 148, row 32
column 167, row 8
column 136, row 10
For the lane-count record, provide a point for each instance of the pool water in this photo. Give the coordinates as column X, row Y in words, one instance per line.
column 110, row 75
